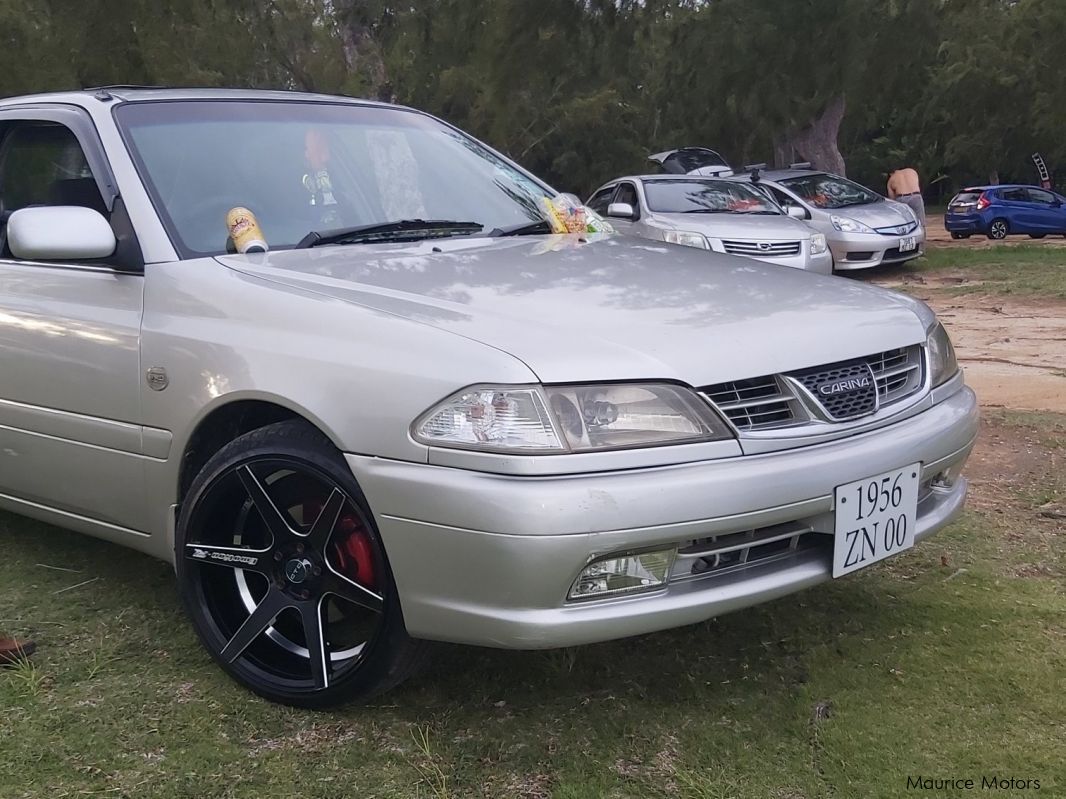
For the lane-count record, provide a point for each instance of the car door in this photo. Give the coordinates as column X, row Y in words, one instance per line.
column 70, row 439
column 627, row 193
column 1015, row 207
column 1046, row 210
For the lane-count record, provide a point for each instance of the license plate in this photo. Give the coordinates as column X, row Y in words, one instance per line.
column 875, row 518
column 908, row 244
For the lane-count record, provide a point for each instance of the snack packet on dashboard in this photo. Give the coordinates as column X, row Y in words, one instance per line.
column 566, row 214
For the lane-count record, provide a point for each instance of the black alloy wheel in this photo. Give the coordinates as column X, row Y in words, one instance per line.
column 283, row 574
column 999, row 229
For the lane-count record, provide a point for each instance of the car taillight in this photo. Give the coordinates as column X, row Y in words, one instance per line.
column 983, row 202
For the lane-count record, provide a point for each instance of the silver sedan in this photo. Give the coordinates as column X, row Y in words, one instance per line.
column 324, row 356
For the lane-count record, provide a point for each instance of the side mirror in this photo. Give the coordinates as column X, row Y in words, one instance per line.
column 795, row 212
column 621, row 211
column 59, row 233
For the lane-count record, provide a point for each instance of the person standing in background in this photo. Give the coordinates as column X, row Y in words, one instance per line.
column 12, row 651
column 904, row 187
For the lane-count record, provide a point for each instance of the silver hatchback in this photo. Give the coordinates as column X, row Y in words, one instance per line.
column 863, row 228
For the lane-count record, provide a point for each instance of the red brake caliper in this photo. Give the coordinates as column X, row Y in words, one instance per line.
column 354, row 553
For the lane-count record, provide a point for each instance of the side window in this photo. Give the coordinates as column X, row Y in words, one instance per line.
column 601, row 199
column 1014, row 195
column 43, row 164
column 627, row 193
column 1041, row 197
column 779, row 196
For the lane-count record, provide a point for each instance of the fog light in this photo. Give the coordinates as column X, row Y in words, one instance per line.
column 948, row 477
column 624, row 573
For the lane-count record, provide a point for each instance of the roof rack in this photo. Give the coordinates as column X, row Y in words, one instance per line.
column 800, row 165
column 755, row 171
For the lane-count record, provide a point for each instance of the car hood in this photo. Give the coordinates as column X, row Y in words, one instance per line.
column 608, row 307
column 885, row 213
column 737, row 226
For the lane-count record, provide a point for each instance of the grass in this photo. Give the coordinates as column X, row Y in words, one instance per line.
column 1023, row 270
column 949, row 661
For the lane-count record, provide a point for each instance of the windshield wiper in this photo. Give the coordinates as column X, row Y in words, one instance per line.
column 402, row 228
column 709, row 211
column 523, row 229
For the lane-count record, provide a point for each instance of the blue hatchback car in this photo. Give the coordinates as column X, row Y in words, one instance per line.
column 998, row 211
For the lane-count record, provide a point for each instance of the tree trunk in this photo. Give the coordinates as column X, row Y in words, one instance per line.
column 362, row 54
column 817, row 142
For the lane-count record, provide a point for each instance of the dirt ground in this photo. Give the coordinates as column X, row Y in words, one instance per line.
column 1013, row 349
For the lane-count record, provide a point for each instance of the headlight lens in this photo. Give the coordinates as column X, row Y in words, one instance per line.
column 846, row 225
column 686, row 239
column 557, row 419
column 942, row 362
column 818, row 244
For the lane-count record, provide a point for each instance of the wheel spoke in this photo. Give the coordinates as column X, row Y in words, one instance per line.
column 322, row 529
column 256, row 560
column 272, row 516
column 315, row 635
column 262, row 617
column 351, row 591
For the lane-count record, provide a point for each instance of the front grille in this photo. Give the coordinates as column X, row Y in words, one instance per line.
column 852, row 385
column 733, row 551
column 754, row 404
column 761, row 249
column 898, row 373
column 898, row 230
column 771, row 402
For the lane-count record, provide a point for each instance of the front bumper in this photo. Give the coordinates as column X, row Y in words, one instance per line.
column 866, row 250
column 489, row 559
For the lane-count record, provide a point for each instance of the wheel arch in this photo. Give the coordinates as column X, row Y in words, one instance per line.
column 228, row 418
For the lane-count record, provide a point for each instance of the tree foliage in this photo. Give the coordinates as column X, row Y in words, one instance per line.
column 582, row 90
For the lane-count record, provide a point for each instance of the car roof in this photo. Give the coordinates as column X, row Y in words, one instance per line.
column 1001, row 186
column 133, row 94
column 665, row 176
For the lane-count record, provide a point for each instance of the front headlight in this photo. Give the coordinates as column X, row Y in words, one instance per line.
column 942, row 362
column 846, row 225
column 686, row 239
column 818, row 244
column 558, row 419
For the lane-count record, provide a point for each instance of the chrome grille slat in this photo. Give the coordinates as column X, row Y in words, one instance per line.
column 769, row 402
column 762, row 248
column 730, row 552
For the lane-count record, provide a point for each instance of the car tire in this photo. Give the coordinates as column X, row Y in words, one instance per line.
column 998, row 229
column 1037, row 235
column 283, row 574
column 957, row 235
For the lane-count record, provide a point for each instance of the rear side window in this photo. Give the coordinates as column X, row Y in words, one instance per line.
column 43, row 164
column 1015, row 195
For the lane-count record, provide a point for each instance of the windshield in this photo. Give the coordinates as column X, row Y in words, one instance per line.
column 705, row 196
column 307, row 166
column 830, row 191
